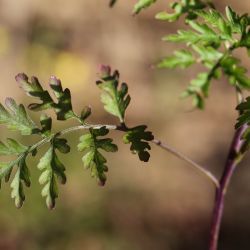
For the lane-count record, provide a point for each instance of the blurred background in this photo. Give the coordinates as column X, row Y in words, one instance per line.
column 163, row 204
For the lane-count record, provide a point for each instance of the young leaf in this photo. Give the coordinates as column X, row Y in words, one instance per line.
column 16, row 118
column 52, row 168
column 181, row 58
column 115, row 100
column 180, row 8
column 138, row 138
column 236, row 73
column 198, row 89
column 142, row 4
column 63, row 106
column 93, row 159
column 203, row 35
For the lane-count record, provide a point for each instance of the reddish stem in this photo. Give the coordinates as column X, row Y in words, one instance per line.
column 231, row 163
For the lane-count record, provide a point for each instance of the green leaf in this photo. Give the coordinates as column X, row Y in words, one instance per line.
column 215, row 19
column 142, row 4
column 179, row 8
column 139, row 138
column 234, row 20
column 203, row 35
column 52, row 168
column 22, row 176
column 198, row 89
column 115, row 100
column 63, row 106
column 12, row 147
column 16, row 118
column 244, row 110
column 6, row 169
column 93, row 159
column 236, row 73
column 207, row 55
column 181, row 58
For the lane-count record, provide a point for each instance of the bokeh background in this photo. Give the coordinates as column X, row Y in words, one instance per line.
column 163, row 204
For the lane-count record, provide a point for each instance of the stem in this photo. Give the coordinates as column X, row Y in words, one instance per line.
column 123, row 128
column 196, row 166
column 233, row 159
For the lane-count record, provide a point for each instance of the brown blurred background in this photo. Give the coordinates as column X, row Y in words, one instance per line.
column 162, row 205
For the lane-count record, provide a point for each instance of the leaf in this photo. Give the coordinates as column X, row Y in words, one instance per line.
column 234, row 20
column 139, row 138
column 215, row 19
column 198, row 89
column 180, row 8
column 244, row 110
column 63, row 106
column 92, row 158
column 181, row 58
column 6, row 169
column 236, row 73
column 12, row 147
column 52, row 168
column 203, row 35
column 207, row 55
column 16, row 118
column 115, row 100
column 142, row 4
column 22, row 176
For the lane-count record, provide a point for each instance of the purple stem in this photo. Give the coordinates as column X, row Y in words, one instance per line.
column 231, row 163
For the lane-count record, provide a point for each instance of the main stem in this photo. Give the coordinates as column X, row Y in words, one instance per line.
column 232, row 161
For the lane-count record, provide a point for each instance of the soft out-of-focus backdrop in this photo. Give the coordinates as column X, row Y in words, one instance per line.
column 161, row 205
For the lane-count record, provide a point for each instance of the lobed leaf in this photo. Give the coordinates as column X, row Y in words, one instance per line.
column 181, row 58
column 115, row 100
column 22, row 176
column 16, row 118
column 139, row 138
column 236, row 73
column 12, row 147
column 52, row 169
column 142, row 4
column 183, row 7
column 63, row 105
column 93, row 159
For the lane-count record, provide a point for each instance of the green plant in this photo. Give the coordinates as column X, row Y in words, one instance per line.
column 210, row 40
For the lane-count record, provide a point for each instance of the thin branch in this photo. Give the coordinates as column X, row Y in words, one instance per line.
column 196, row 166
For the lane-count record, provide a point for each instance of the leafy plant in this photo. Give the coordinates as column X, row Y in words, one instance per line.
column 116, row 100
column 210, row 39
